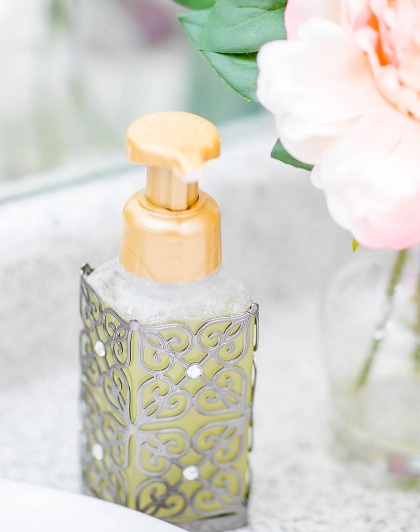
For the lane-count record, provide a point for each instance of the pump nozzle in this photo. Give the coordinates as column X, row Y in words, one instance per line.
column 174, row 146
column 171, row 229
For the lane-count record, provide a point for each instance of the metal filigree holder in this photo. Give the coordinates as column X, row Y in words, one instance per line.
column 167, row 414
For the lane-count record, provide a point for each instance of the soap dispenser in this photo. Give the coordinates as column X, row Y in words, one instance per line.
column 167, row 345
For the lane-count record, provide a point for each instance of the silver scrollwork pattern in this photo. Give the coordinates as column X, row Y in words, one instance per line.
column 166, row 411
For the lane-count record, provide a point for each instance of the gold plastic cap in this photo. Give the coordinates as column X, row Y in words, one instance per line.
column 171, row 229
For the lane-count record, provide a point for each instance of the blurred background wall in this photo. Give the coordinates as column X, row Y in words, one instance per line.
column 75, row 73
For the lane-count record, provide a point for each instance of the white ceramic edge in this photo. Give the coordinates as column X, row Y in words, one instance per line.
column 26, row 508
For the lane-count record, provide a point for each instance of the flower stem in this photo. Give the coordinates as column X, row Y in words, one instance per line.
column 379, row 333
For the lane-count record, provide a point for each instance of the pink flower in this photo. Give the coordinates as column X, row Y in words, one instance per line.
column 345, row 92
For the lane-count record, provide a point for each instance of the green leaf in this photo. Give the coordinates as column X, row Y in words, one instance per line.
column 242, row 26
column 196, row 4
column 193, row 23
column 239, row 71
column 355, row 244
column 281, row 154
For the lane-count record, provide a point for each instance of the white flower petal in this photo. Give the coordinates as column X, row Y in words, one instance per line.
column 371, row 178
column 298, row 11
column 319, row 87
column 306, row 150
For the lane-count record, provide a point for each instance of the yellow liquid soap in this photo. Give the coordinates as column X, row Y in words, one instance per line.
column 171, row 414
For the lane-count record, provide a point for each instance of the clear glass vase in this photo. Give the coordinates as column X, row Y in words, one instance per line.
column 371, row 341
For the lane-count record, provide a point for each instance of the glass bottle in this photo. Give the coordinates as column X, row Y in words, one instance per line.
column 371, row 340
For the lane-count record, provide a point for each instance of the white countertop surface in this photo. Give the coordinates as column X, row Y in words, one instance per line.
column 49, row 510
column 297, row 485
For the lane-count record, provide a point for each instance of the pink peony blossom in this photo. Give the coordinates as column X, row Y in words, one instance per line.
column 345, row 92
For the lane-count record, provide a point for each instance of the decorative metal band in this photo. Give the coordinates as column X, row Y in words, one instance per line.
column 167, row 412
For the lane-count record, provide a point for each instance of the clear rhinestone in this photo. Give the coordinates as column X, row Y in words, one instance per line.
column 98, row 451
column 194, row 371
column 190, row 473
column 100, row 348
column 253, row 309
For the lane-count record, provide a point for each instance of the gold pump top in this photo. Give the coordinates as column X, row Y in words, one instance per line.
column 171, row 229
column 175, row 146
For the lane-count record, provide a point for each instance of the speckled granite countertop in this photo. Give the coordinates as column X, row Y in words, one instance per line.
column 298, row 486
